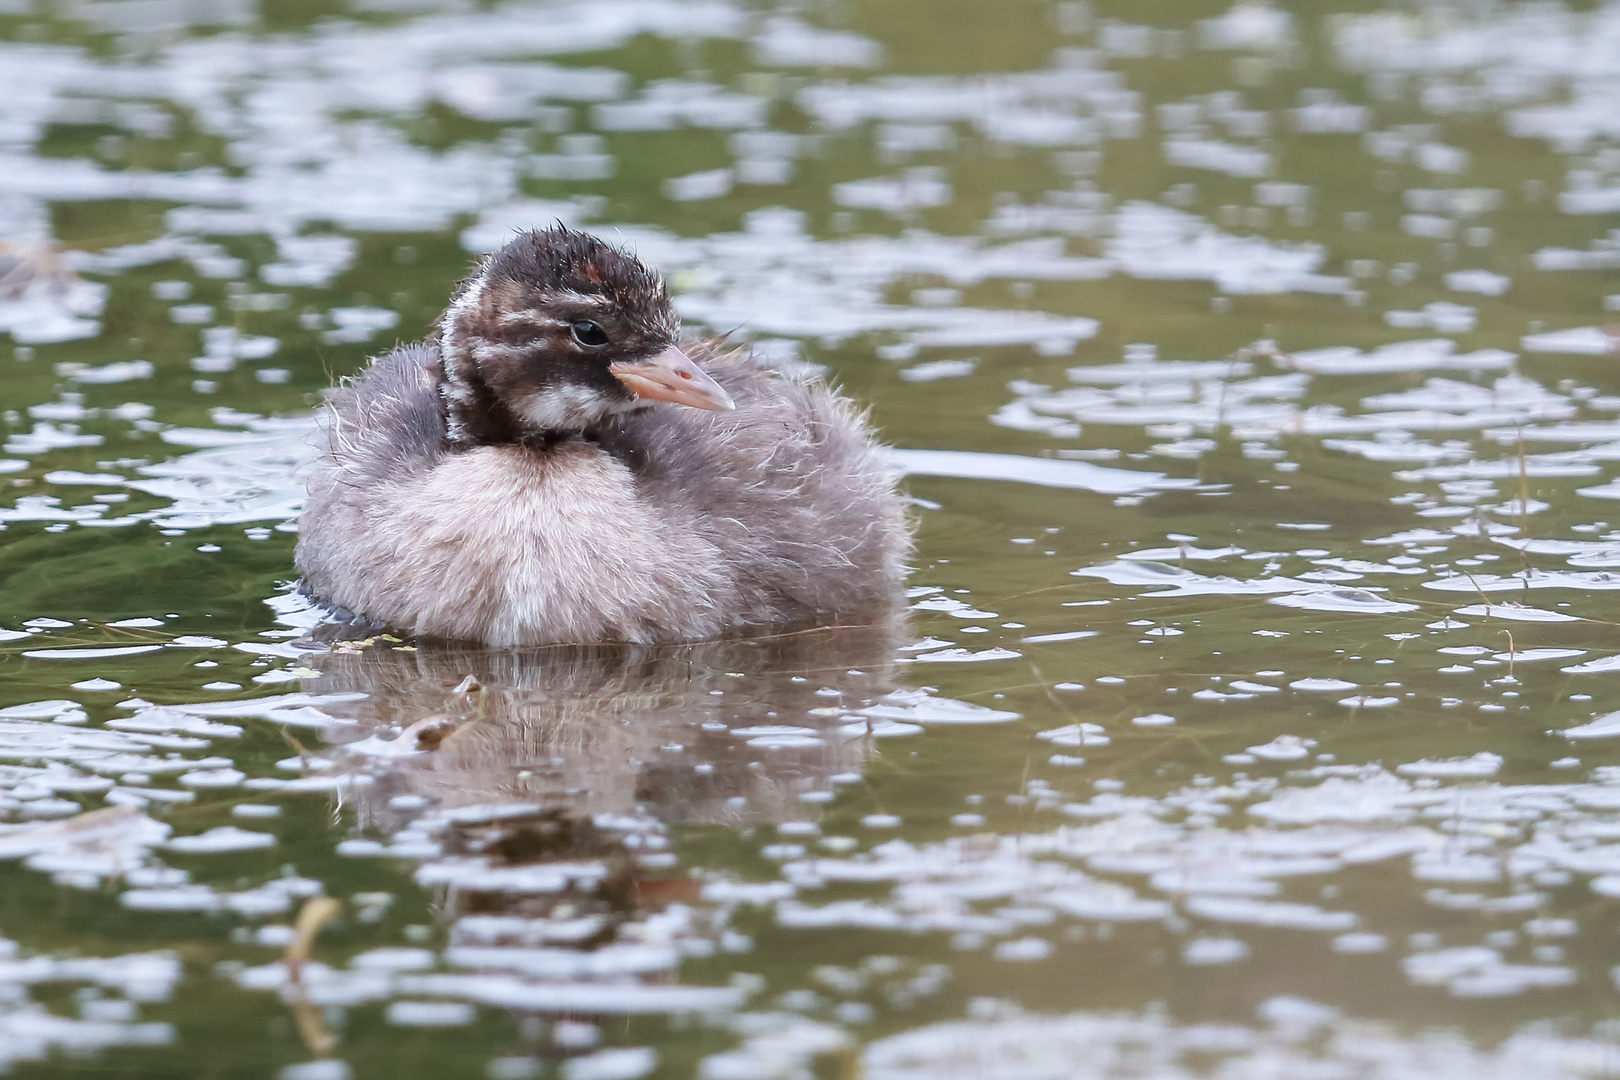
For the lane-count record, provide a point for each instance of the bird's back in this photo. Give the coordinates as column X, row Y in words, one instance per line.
column 790, row 486
column 386, row 422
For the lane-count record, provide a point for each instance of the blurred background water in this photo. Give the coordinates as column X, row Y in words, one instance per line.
column 1253, row 373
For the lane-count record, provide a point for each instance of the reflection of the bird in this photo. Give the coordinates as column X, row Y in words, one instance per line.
column 725, row 731
column 579, row 756
column 532, row 790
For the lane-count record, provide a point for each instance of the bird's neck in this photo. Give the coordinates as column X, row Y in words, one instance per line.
column 474, row 414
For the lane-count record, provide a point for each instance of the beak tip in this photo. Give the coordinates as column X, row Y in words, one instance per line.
column 672, row 376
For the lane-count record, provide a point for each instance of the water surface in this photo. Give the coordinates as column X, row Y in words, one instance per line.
column 1251, row 369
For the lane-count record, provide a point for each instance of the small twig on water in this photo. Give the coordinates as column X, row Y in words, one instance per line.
column 316, row 913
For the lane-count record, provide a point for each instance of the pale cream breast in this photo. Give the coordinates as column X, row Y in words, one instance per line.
column 510, row 546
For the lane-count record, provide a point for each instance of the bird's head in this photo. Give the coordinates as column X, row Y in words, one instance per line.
column 555, row 333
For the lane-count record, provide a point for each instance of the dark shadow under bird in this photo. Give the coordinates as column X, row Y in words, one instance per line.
column 551, row 466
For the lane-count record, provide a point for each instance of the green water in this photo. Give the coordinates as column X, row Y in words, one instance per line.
column 1299, row 840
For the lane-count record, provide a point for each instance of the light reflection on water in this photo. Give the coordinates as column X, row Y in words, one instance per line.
column 1249, row 371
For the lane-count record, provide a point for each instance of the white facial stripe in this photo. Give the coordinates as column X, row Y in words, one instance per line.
column 572, row 297
column 494, row 350
column 450, row 353
column 468, row 300
column 530, row 315
column 568, row 408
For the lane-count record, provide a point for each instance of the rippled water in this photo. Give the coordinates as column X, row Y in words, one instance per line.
column 1252, row 374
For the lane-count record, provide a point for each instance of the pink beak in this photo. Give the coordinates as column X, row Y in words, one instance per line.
column 672, row 376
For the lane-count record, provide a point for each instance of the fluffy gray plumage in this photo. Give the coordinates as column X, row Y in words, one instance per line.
column 663, row 524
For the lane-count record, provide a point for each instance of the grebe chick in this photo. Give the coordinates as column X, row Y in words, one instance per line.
column 551, row 466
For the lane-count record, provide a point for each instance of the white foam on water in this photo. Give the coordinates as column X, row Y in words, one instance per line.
column 965, row 656
column 1025, row 1046
column 1581, row 341
column 1072, row 735
column 429, row 1014
column 161, row 719
column 1184, row 553
column 1343, row 600
column 620, row 1063
column 1065, row 635
column 1437, row 354
column 1322, row 685
column 1514, row 612
column 921, row 707
column 1483, row 282
column 608, row 999
column 1532, row 579
column 1270, row 914
column 1481, row 764
column 1283, row 748
column 1606, row 726
column 1233, row 159
column 90, row 654
column 1045, row 472
column 222, row 839
column 1156, row 242
column 1181, row 582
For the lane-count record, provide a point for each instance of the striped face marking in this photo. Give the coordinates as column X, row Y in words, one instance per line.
column 517, row 363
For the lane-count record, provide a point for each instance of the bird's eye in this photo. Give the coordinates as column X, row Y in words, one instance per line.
column 589, row 334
